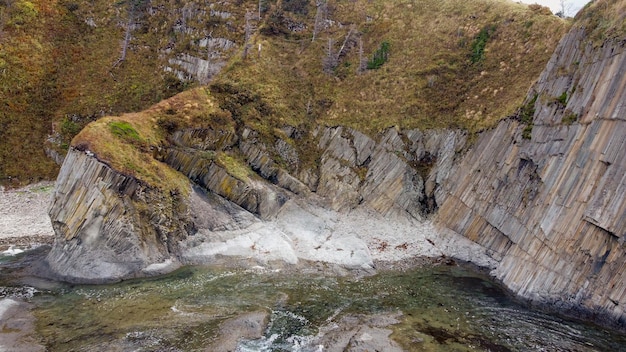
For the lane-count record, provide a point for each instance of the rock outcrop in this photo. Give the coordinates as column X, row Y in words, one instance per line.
column 539, row 199
column 549, row 205
column 367, row 201
column 110, row 226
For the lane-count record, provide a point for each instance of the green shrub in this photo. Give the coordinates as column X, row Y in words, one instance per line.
column 525, row 115
column 562, row 99
column 480, row 42
column 528, row 131
column 380, row 56
column 69, row 128
column 527, row 111
column 570, row 118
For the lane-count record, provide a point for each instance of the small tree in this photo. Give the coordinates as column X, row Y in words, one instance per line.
column 320, row 16
column 249, row 29
column 330, row 61
column 134, row 7
column 380, row 56
column 362, row 61
column 564, row 8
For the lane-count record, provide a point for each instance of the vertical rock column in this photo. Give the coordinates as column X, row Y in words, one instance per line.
column 109, row 226
column 552, row 208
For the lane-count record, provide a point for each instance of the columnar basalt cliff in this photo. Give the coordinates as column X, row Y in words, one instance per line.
column 549, row 204
column 142, row 226
column 112, row 226
column 537, row 199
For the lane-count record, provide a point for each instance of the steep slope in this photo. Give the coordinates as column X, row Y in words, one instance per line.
column 263, row 142
column 291, row 149
column 67, row 63
column 458, row 64
column 545, row 195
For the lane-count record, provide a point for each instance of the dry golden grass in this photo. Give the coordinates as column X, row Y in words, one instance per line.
column 54, row 65
column 57, row 69
column 603, row 19
column 24, row 51
column 134, row 155
column 431, row 79
column 428, row 81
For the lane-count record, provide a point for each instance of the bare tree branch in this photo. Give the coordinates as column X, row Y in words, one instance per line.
column 343, row 46
column 320, row 16
column 127, row 34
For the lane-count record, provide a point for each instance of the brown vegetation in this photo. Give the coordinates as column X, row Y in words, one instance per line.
column 438, row 71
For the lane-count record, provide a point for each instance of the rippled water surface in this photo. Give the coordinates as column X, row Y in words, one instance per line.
column 443, row 309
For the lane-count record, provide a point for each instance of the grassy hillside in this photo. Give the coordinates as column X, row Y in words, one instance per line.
column 450, row 63
column 60, row 69
column 129, row 142
column 447, row 63
column 25, row 90
column 603, row 19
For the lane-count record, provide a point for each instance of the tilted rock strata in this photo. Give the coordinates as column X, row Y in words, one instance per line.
column 111, row 226
column 543, row 199
column 552, row 209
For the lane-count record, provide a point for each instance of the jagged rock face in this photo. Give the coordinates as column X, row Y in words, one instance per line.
column 206, row 54
column 202, row 69
column 544, row 199
column 551, row 208
column 110, row 226
column 397, row 174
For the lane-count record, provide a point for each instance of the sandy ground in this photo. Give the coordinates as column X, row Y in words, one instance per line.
column 24, row 219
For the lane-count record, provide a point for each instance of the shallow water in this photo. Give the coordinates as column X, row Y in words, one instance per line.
column 443, row 309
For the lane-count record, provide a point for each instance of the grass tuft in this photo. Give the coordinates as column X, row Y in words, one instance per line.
column 125, row 131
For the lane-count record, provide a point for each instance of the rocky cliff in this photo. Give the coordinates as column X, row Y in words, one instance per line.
column 367, row 201
column 537, row 199
column 545, row 195
column 109, row 225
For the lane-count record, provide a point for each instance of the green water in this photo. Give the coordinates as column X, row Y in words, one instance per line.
column 443, row 309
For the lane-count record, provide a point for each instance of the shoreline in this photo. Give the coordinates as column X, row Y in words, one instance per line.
column 24, row 220
column 25, row 225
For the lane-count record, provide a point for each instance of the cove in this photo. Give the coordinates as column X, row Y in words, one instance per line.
column 428, row 308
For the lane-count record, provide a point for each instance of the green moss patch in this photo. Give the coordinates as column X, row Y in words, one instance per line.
column 125, row 131
column 234, row 166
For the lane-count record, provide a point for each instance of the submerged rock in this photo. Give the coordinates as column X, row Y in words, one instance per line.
column 17, row 327
column 245, row 326
column 360, row 334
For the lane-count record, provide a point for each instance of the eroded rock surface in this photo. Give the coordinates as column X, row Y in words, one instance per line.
column 110, row 226
column 369, row 203
column 17, row 327
column 541, row 203
column 551, row 208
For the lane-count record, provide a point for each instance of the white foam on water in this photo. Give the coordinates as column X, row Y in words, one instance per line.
column 12, row 251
